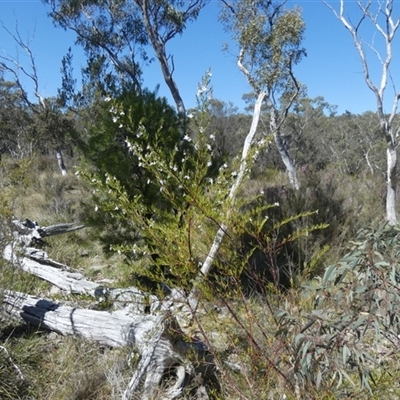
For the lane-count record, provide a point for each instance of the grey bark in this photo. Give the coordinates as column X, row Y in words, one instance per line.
column 387, row 30
column 159, row 47
column 283, row 150
column 60, row 162
column 141, row 321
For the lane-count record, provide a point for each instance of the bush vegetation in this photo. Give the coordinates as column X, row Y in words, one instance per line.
column 301, row 301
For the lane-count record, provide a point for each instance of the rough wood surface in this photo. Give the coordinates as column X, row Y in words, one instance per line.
column 142, row 321
column 60, row 276
column 113, row 329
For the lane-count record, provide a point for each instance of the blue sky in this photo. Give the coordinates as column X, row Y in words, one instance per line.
column 332, row 68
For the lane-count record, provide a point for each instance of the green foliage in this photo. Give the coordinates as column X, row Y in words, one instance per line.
column 16, row 124
column 170, row 234
column 124, row 120
column 175, row 229
column 335, row 337
column 269, row 37
column 354, row 320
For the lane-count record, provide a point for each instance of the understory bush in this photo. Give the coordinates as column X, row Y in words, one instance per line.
column 334, row 337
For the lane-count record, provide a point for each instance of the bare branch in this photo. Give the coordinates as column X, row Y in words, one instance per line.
column 18, row 67
column 387, row 31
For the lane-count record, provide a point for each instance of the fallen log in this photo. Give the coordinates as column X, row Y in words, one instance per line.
column 108, row 328
column 48, row 270
column 157, row 338
column 143, row 322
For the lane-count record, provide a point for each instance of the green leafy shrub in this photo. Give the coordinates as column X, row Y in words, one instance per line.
column 352, row 329
column 124, row 120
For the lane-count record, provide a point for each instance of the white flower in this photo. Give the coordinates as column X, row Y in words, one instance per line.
column 201, row 90
column 96, row 207
column 115, row 119
column 107, row 99
column 276, row 204
column 188, row 138
column 187, row 177
column 212, row 137
column 209, row 163
column 122, row 113
column 120, row 126
column 209, row 147
column 190, row 116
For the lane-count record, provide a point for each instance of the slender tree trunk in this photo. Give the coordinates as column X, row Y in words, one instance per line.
column 284, row 152
column 194, row 295
column 391, row 154
column 60, row 161
column 159, row 48
column 383, row 21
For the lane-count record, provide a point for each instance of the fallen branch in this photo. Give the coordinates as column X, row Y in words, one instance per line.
column 143, row 322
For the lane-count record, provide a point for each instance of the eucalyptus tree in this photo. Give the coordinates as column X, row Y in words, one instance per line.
column 269, row 38
column 16, row 124
column 382, row 18
column 116, row 33
column 50, row 125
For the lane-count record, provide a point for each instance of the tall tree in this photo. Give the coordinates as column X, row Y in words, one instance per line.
column 119, row 31
column 382, row 18
column 269, row 39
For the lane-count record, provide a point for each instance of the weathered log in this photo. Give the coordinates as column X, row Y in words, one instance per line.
column 30, row 227
column 157, row 338
column 71, row 282
column 113, row 329
column 144, row 322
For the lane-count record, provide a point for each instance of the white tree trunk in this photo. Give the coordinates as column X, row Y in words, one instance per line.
column 391, row 184
column 283, row 149
column 387, row 25
column 60, row 162
column 194, row 295
column 287, row 161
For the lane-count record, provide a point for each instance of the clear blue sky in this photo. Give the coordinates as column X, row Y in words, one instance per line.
column 332, row 68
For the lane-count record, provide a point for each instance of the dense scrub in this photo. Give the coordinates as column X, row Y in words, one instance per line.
column 329, row 335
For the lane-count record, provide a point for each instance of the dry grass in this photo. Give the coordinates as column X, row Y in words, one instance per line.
column 245, row 337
